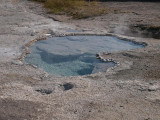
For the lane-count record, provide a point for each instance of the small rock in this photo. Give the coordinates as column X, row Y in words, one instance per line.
column 32, row 34
column 44, row 91
column 17, row 62
column 34, row 66
column 104, row 60
column 153, row 88
column 121, row 106
column 47, row 34
column 67, row 86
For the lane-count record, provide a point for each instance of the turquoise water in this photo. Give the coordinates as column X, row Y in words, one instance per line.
column 75, row 55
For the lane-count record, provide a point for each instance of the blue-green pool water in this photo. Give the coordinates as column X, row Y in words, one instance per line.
column 75, row 55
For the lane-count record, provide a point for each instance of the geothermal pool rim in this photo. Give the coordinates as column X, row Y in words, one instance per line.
column 98, row 55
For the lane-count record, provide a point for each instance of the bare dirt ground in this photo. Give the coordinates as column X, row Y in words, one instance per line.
column 129, row 91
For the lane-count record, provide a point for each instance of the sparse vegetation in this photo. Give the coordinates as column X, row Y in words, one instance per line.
column 155, row 74
column 76, row 8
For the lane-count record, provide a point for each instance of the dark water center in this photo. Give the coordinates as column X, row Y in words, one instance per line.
column 75, row 55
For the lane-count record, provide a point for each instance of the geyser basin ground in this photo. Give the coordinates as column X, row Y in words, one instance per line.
column 75, row 55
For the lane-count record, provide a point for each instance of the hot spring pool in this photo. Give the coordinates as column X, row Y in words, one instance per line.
column 75, row 55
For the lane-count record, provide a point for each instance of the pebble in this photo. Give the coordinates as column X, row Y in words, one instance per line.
column 47, row 34
column 17, row 62
column 153, row 88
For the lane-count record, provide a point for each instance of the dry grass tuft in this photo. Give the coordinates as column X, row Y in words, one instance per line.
column 76, row 8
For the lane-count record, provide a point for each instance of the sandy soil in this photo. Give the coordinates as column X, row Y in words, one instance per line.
column 129, row 91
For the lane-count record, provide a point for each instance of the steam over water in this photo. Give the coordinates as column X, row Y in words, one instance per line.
column 75, row 55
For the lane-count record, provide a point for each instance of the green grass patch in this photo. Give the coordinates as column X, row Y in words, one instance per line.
column 76, row 8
